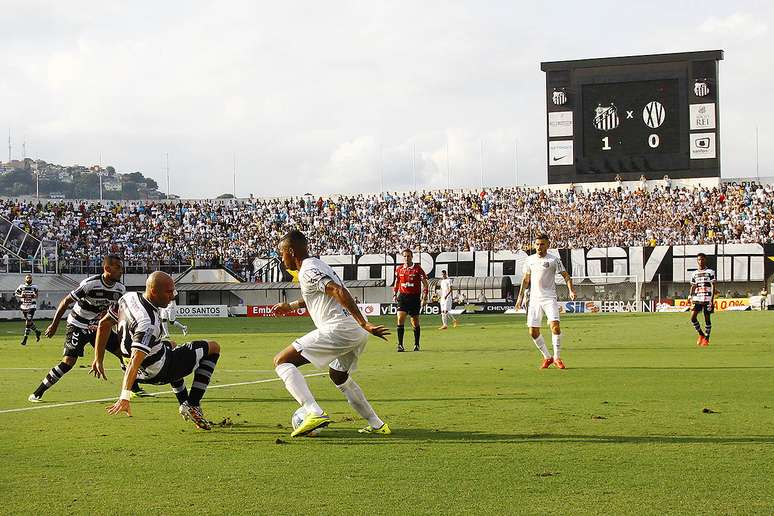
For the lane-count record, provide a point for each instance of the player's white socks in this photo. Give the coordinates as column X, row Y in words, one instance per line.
column 444, row 319
column 541, row 345
column 357, row 399
column 556, row 340
column 296, row 385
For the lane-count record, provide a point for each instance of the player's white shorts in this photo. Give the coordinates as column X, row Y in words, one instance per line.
column 446, row 304
column 337, row 350
column 536, row 309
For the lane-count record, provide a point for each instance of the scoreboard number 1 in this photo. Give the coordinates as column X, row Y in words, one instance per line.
column 653, row 142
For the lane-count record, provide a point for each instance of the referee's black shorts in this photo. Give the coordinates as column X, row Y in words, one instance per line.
column 409, row 303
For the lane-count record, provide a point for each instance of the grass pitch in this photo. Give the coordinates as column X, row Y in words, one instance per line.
column 478, row 428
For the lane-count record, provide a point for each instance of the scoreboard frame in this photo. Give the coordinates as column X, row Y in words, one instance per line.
column 693, row 77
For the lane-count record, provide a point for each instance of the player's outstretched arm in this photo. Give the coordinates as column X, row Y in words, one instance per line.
column 344, row 298
column 523, row 288
column 64, row 304
column 283, row 308
column 122, row 404
column 570, row 286
column 103, row 333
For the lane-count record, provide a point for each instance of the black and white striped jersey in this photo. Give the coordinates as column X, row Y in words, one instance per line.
column 28, row 295
column 139, row 327
column 704, row 282
column 92, row 298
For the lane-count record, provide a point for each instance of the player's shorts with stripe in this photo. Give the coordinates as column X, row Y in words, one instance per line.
column 409, row 303
column 180, row 362
column 28, row 313
column 77, row 338
column 338, row 350
column 538, row 307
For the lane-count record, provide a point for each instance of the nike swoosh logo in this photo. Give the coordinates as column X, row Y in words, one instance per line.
column 560, row 157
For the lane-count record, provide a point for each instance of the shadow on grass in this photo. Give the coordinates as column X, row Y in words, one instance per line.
column 414, row 435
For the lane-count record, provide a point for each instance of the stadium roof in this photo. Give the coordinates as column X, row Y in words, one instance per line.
column 704, row 55
column 45, row 282
column 280, row 285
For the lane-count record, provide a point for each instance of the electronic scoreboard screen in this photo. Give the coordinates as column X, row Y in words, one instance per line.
column 625, row 120
column 631, row 116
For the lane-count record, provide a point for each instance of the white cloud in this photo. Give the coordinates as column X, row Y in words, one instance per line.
column 742, row 25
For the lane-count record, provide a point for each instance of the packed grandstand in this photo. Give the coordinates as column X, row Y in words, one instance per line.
column 235, row 232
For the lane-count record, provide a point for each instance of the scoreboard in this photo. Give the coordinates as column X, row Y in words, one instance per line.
column 639, row 115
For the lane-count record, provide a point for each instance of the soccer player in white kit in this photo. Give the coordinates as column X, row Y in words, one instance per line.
column 446, row 300
column 341, row 335
column 169, row 315
column 540, row 270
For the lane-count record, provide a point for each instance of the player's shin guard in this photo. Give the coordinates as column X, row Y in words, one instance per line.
column 401, row 331
column 201, row 379
column 181, row 393
column 358, row 401
column 707, row 330
column 53, row 376
column 697, row 326
column 296, row 385
column 556, row 340
column 541, row 345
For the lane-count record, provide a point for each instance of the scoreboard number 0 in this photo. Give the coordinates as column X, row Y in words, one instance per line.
column 653, row 141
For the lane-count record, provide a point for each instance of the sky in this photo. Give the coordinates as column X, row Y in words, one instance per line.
column 344, row 97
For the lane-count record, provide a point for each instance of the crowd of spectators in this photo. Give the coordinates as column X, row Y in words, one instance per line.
column 235, row 232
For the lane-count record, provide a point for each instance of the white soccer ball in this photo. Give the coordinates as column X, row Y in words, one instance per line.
column 298, row 418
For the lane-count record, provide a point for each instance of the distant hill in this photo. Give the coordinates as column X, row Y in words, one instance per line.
column 17, row 178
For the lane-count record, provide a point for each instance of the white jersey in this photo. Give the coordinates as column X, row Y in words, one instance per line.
column 446, row 287
column 327, row 314
column 704, row 281
column 543, row 273
column 169, row 314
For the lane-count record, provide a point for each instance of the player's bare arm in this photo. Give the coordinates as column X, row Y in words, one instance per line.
column 522, row 289
column 64, row 304
column 122, row 404
column 284, row 308
column 425, row 290
column 103, row 332
column 344, row 298
column 570, row 286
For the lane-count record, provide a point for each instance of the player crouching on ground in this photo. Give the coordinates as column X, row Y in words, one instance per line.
column 341, row 335
column 540, row 270
column 153, row 360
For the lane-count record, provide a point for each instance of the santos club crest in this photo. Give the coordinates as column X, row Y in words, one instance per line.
column 654, row 114
column 701, row 88
column 606, row 118
column 559, row 97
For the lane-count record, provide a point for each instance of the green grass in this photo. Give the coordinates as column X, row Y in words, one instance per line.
column 478, row 428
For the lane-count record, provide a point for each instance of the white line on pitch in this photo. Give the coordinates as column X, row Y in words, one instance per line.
column 71, row 403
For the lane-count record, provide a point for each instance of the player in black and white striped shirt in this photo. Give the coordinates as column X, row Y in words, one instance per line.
column 27, row 294
column 91, row 298
column 153, row 360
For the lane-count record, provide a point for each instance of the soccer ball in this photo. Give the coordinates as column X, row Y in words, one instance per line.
column 298, row 418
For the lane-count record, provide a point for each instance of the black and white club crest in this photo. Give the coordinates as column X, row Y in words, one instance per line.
column 559, row 97
column 701, row 88
column 606, row 117
column 654, row 114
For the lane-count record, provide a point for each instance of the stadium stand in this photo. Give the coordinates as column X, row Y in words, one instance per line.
column 233, row 233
